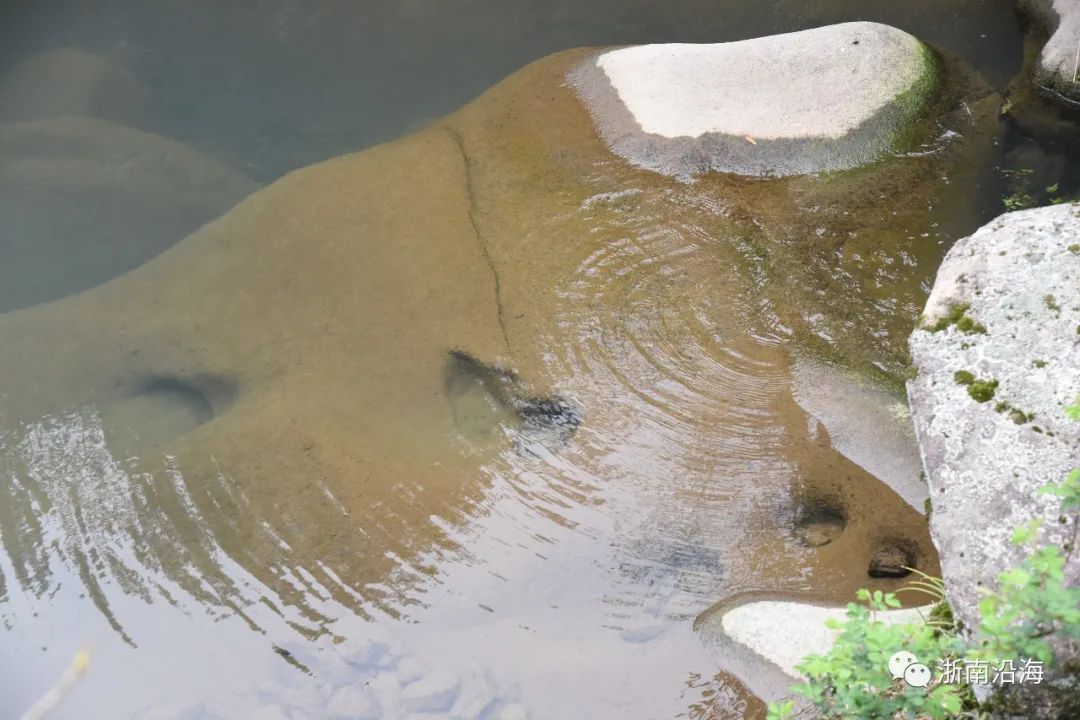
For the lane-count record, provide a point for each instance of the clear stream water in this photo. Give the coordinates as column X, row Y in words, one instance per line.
column 251, row 476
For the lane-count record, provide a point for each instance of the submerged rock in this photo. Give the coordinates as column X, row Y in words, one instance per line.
column 831, row 98
column 70, row 81
column 353, row 703
column 487, row 401
column 1057, row 66
column 83, row 200
column 433, row 693
column 893, row 560
column 998, row 360
column 295, row 352
column 867, row 422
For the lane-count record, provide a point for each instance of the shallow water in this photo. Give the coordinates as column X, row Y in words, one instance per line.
column 254, row 477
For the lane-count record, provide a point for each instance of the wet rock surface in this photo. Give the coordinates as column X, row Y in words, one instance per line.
column 1056, row 69
column 832, row 98
column 488, row 401
column 998, row 360
column 83, row 199
column 819, row 523
column 293, row 357
column 867, row 421
column 894, row 560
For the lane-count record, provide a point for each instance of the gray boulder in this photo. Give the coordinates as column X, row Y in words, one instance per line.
column 998, row 361
column 1058, row 64
column 831, row 98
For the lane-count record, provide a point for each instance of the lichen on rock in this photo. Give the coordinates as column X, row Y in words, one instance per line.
column 985, row 462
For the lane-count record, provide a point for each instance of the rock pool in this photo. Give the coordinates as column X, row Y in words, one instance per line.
column 475, row 422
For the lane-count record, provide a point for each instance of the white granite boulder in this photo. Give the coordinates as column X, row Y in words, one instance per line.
column 785, row 633
column 826, row 99
column 998, row 361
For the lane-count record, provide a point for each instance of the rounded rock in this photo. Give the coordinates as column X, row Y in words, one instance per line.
column 830, row 98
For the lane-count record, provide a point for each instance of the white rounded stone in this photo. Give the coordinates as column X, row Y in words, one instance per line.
column 786, row 632
column 824, row 99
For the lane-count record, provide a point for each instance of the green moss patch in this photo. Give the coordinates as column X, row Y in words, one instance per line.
column 982, row 390
column 979, row 390
column 963, row 377
column 958, row 316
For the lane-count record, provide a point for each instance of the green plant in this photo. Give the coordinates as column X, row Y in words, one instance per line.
column 1054, row 194
column 782, row 710
column 963, row 377
column 1018, row 201
column 1019, row 197
column 853, row 680
column 1031, row 605
column 979, row 390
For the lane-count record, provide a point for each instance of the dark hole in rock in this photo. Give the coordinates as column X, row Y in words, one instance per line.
column 157, row 409
column 893, row 559
column 485, row 400
column 819, row 522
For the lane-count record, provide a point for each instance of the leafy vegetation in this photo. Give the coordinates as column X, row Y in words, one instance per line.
column 1018, row 198
column 1031, row 605
column 853, row 679
column 1022, row 195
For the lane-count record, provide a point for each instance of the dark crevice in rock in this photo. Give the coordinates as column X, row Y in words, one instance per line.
column 479, row 236
column 485, row 398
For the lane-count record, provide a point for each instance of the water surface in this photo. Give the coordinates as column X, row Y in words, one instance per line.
column 483, row 405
